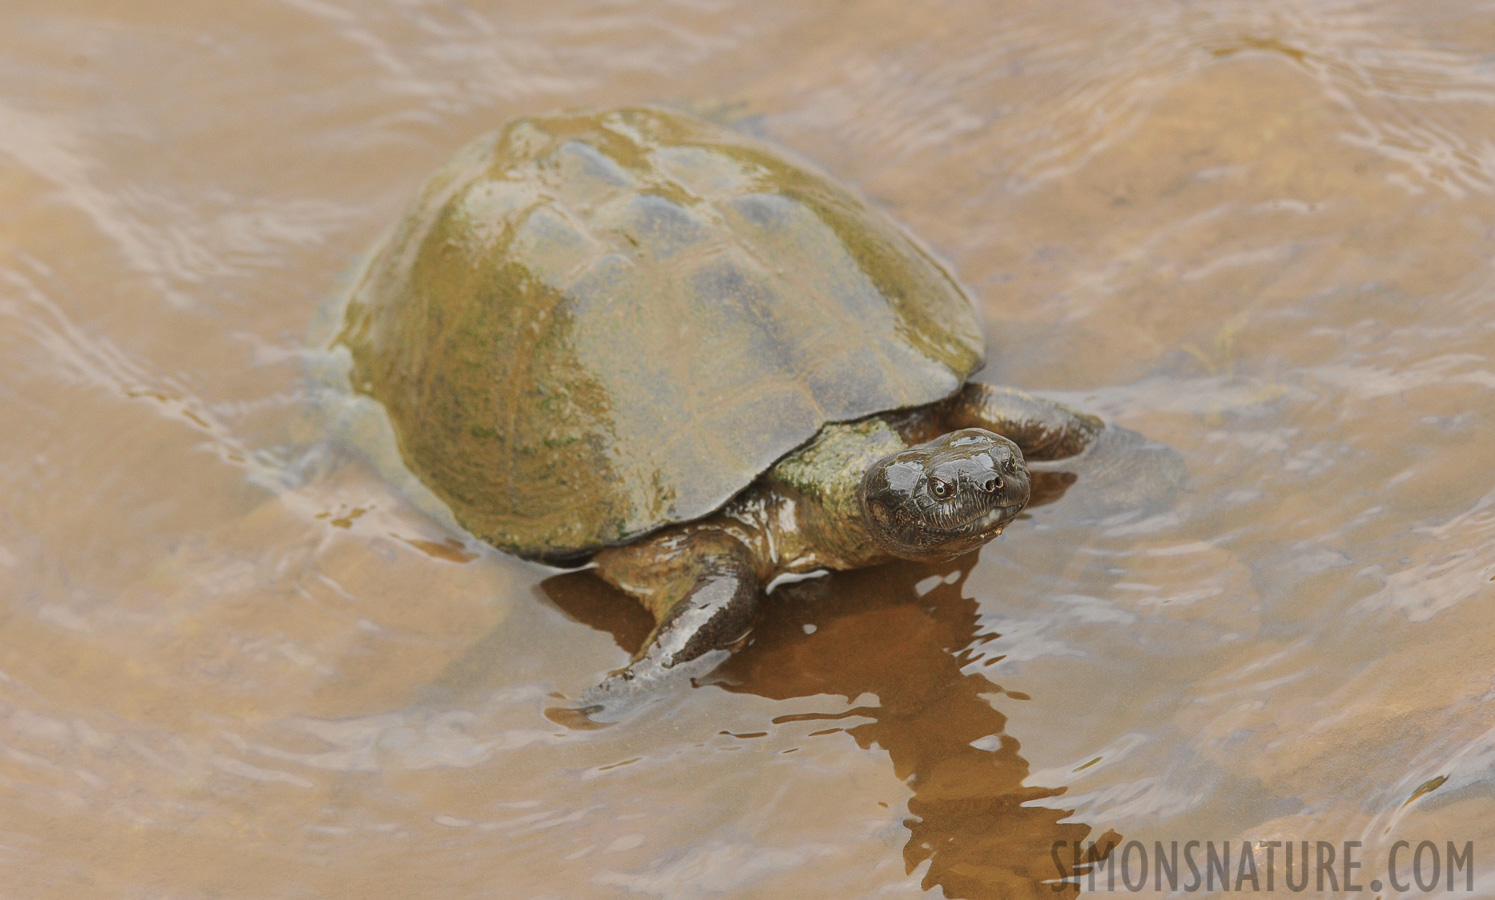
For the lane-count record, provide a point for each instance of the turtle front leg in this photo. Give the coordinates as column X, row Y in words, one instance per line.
column 1041, row 428
column 702, row 588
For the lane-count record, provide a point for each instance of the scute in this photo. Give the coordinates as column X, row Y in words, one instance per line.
column 593, row 325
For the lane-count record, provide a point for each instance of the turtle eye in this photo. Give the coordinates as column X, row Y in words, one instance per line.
column 941, row 488
column 1009, row 465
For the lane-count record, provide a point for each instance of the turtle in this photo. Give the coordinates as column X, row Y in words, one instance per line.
column 634, row 339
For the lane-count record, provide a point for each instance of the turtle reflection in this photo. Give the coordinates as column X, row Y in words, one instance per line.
column 875, row 632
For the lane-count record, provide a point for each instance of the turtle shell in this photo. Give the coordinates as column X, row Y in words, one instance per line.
column 591, row 325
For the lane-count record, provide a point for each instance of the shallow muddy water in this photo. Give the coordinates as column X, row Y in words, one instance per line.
column 233, row 663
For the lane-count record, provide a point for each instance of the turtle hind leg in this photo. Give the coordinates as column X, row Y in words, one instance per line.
column 703, row 590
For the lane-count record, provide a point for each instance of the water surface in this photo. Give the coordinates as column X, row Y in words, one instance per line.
column 233, row 663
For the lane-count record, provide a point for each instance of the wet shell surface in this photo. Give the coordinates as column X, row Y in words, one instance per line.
column 593, row 325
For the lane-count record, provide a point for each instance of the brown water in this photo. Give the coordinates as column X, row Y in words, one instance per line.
column 1259, row 232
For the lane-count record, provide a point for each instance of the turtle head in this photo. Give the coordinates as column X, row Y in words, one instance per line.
column 946, row 497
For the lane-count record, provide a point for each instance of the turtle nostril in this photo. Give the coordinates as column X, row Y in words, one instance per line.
column 991, row 485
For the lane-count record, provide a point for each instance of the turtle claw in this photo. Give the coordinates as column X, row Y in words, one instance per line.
column 619, row 695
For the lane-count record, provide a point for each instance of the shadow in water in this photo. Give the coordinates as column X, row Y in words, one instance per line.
column 876, row 632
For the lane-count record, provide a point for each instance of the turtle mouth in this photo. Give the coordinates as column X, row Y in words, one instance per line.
column 993, row 519
column 955, row 522
column 947, row 536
